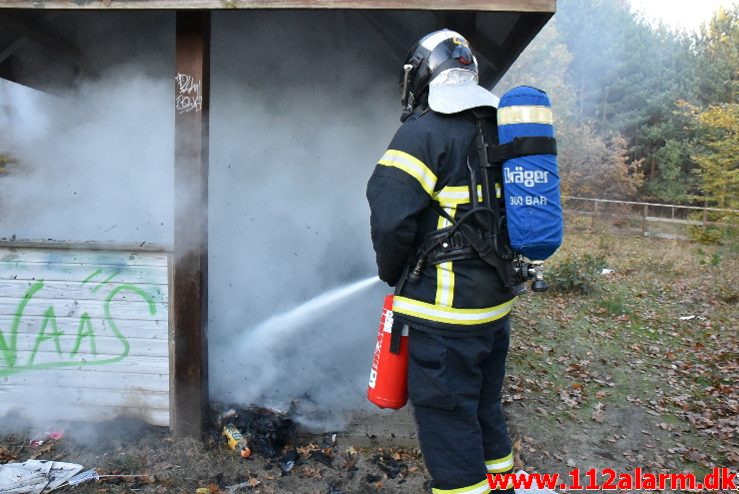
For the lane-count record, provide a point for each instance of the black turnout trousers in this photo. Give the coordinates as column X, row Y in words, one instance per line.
column 454, row 385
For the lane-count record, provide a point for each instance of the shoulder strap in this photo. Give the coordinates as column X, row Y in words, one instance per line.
column 488, row 175
column 442, row 212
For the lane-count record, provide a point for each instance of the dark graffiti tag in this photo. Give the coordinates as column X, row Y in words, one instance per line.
column 49, row 332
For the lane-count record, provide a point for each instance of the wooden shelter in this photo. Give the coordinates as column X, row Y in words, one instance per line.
column 35, row 49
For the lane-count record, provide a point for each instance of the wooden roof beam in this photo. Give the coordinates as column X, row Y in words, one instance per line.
column 477, row 5
column 33, row 31
column 390, row 32
column 13, row 47
column 8, row 70
column 523, row 31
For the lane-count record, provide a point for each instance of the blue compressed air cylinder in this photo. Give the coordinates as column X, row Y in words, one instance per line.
column 530, row 183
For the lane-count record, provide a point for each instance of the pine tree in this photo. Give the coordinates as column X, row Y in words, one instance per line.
column 718, row 161
column 717, row 153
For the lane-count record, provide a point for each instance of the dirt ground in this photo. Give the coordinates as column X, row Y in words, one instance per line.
column 148, row 459
column 640, row 368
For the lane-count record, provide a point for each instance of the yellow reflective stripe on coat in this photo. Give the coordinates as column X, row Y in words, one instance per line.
column 500, row 465
column 525, row 114
column 445, row 270
column 445, row 279
column 452, row 196
column 412, row 166
column 450, row 315
column 479, row 488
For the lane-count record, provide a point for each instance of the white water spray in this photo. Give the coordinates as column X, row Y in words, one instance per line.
column 281, row 324
column 267, row 373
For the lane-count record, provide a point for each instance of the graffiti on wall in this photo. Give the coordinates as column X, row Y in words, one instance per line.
column 189, row 93
column 49, row 338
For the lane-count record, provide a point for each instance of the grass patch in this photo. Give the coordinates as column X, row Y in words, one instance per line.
column 657, row 334
column 578, row 273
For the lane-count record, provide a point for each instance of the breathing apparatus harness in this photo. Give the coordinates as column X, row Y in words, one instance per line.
column 482, row 231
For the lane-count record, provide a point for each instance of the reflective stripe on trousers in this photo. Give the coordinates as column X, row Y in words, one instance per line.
column 479, row 488
column 500, row 465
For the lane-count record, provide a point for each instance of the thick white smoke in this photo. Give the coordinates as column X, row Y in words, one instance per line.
column 96, row 159
column 301, row 110
column 302, row 105
column 94, row 164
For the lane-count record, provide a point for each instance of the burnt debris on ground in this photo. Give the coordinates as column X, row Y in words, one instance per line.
column 267, row 431
column 125, row 455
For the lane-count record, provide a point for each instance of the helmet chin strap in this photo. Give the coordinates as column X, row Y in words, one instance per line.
column 407, row 99
column 408, row 108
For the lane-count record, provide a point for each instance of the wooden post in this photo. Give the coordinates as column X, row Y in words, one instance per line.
column 189, row 365
column 595, row 214
column 644, row 227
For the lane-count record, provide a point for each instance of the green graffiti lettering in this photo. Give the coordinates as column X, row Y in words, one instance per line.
column 138, row 291
column 9, row 349
column 104, row 282
column 94, row 273
column 49, row 319
column 84, row 330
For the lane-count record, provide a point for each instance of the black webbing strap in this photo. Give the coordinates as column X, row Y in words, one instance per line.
column 523, row 146
column 488, row 174
column 396, row 334
column 396, row 331
column 401, row 282
column 484, row 248
column 442, row 212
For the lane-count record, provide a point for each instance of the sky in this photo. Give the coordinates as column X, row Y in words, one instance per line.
column 684, row 14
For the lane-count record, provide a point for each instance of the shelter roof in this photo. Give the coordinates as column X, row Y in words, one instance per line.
column 38, row 38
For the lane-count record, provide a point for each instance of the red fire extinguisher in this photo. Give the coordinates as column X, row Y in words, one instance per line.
column 388, row 383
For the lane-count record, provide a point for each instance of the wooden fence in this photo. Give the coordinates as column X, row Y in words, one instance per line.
column 652, row 219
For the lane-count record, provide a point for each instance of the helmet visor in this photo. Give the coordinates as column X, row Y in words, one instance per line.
column 456, row 89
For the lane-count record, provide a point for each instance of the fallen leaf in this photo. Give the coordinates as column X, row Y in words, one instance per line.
column 6, row 455
column 41, row 450
column 310, row 472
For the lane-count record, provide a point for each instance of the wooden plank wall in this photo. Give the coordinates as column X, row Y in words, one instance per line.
column 85, row 333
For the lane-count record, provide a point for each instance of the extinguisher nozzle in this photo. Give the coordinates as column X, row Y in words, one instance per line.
column 415, row 275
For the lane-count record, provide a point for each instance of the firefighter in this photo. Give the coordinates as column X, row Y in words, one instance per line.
column 454, row 305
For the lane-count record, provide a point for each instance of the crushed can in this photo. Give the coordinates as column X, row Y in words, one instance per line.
column 235, row 440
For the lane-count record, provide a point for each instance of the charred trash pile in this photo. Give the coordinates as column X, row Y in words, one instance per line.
column 286, row 450
column 251, row 449
column 255, row 430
